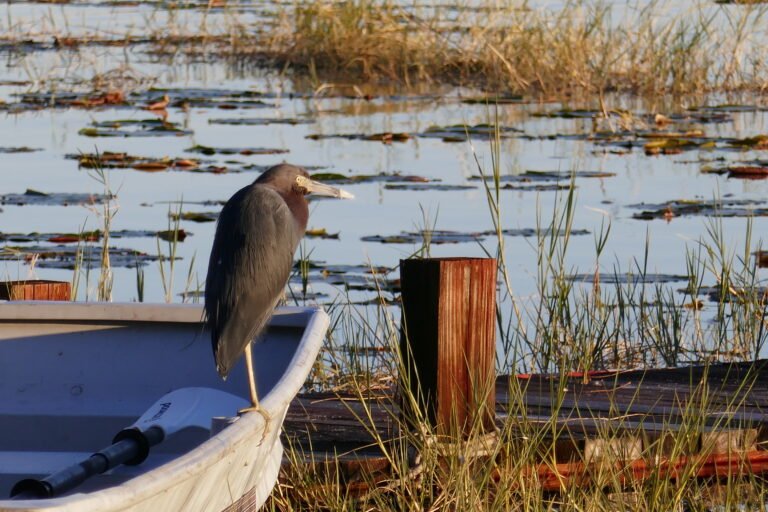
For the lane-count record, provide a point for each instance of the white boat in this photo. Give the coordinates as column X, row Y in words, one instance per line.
column 73, row 375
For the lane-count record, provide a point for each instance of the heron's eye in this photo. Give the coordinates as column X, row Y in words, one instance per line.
column 301, row 185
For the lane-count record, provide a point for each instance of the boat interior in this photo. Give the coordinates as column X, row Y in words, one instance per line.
column 69, row 384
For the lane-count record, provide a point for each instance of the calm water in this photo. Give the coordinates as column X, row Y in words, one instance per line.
column 143, row 198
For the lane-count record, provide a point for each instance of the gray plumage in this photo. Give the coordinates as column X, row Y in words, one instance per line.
column 257, row 234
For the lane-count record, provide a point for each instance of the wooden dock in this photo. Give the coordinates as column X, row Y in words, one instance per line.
column 630, row 413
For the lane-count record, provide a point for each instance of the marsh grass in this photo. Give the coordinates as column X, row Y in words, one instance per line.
column 566, row 326
column 105, row 215
column 585, row 47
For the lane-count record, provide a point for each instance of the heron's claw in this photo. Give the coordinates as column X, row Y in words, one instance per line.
column 256, row 408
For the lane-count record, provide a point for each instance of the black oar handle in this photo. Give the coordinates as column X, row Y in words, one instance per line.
column 130, row 446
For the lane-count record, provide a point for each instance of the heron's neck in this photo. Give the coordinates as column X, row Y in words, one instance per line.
column 299, row 209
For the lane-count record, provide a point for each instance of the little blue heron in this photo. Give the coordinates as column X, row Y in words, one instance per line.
column 258, row 232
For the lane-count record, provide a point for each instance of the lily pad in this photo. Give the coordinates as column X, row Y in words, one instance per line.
column 111, row 98
column 134, row 128
column 225, row 99
column 546, row 232
column 501, row 99
column 321, row 233
column 110, row 160
column 37, row 198
column 453, row 237
column 749, row 172
column 85, row 236
column 709, row 208
column 347, row 179
column 549, row 187
column 733, row 294
column 703, row 116
column 195, row 216
column 567, row 113
column 349, row 277
column 673, row 146
column 66, row 256
column 18, row 149
column 260, row 121
column 734, row 108
column 626, row 278
column 207, row 150
column 461, row 132
column 420, row 187
column 756, row 142
column 435, row 237
column 385, row 137
column 546, row 176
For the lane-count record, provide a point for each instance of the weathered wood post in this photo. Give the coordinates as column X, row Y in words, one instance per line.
column 36, row 289
column 448, row 340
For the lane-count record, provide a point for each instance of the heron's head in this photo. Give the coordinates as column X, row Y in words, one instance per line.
column 290, row 177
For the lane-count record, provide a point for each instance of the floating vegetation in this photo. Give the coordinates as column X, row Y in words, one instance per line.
column 539, row 187
column 710, row 208
column 89, row 236
column 111, row 160
column 112, row 98
column 435, row 237
column 625, row 278
column 642, row 120
column 134, row 128
column 17, row 149
column 732, row 294
column 37, row 198
column 546, row 176
column 566, row 113
column 756, row 142
column 347, row 179
column 748, row 172
column 420, row 187
column 703, row 116
column 349, row 277
column 225, row 99
column 195, row 216
column 731, row 108
column 321, row 233
column 546, row 232
column 499, row 99
column 463, row 132
column 385, row 137
column 454, row 237
column 152, row 99
column 208, row 150
column 261, row 121
column 676, row 145
column 71, row 256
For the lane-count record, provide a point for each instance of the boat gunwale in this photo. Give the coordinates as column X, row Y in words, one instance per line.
column 129, row 312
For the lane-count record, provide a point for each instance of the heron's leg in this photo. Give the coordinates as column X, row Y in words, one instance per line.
column 251, row 376
column 255, row 407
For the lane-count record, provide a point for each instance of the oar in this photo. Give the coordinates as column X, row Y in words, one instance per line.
column 182, row 408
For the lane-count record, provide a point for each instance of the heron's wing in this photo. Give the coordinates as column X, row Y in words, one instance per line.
column 250, row 263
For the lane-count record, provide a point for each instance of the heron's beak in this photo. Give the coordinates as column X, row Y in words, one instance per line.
column 321, row 189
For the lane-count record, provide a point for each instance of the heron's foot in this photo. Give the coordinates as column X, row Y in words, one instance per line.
column 257, row 409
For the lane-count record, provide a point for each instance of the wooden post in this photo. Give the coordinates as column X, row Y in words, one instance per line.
column 35, row 290
column 448, row 340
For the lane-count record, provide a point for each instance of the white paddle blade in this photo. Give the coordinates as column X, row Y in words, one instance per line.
column 189, row 407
